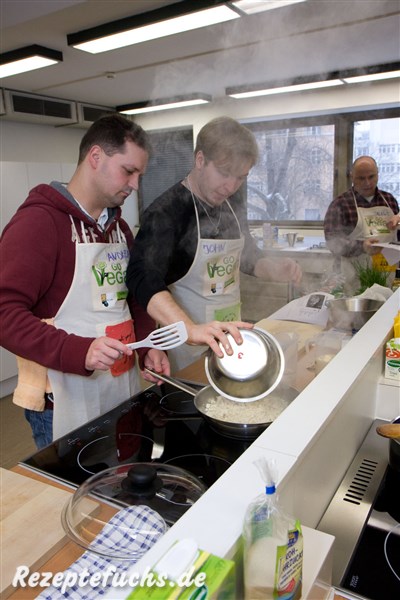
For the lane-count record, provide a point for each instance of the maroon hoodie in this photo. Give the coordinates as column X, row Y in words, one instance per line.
column 37, row 262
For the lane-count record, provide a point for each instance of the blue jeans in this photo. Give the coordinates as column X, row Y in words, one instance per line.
column 41, row 423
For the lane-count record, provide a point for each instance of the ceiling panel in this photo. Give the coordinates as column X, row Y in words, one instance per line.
column 307, row 38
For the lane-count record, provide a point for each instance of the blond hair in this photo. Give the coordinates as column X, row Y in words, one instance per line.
column 227, row 143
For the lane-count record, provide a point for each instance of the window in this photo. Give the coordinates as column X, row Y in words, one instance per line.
column 304, row 163
column 293, row 180
column 378, row 138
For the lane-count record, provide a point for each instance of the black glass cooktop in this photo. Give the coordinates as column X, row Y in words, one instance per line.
column 160, row 424
column 374, row 570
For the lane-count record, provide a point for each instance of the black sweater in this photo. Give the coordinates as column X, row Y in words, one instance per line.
column 166, row 243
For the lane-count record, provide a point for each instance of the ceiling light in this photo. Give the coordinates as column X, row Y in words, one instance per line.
column 164, row 104
column 268, row 90
column 312, row 82
column 374, row 73
column 251, row 7
column 27, row 59
column 154, row 24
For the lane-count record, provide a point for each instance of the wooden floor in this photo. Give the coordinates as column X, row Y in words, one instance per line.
column 16, row 441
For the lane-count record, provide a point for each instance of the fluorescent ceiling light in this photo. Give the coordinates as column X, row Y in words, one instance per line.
column 284, row 89
column 163, row 104
column 27, row 59
column 311, row 82
column 148, row 26
column 251, row 7
column 372, row 77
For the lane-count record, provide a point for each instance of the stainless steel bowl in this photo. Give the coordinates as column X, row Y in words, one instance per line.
column 351, row 313
column 253, row 370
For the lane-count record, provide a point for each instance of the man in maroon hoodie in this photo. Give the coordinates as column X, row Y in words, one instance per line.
column 64, row 305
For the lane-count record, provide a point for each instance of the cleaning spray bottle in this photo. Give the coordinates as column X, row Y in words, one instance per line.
column 273, row 545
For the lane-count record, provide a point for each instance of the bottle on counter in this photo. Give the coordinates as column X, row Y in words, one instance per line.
column 273, row 545
column 396, row 280
column 268, row 235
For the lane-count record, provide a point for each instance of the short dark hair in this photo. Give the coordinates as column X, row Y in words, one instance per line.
column 111, row 132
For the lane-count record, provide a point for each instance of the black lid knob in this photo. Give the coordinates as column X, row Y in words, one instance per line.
column 142, row 480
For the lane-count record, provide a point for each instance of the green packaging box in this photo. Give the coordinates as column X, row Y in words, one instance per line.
column 208, row 577
column 392, row 359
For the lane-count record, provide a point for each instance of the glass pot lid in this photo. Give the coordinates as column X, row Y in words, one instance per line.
column 121, row 512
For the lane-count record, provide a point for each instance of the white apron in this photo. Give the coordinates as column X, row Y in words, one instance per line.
column 371, row 222
column 210, row 289
column 94, row 306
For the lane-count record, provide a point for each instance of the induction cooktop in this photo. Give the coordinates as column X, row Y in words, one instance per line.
column 159, row 424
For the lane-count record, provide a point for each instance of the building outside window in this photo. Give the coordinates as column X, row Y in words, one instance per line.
column 293, row 180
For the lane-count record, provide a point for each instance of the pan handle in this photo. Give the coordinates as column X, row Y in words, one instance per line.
column 179, row 384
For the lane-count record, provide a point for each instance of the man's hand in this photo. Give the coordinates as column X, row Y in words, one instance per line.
column 394, row 222
column 157, row 361
column 281, row 270
column 369, row 248
column 103, row 352
column 216, row 332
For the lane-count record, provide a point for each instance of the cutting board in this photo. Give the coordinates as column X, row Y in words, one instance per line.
column 30, row 526
column 305, row 331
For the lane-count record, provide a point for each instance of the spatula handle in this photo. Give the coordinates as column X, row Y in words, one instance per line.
column 179, row 384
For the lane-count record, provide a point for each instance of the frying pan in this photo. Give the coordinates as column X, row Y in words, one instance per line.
column 244, row 431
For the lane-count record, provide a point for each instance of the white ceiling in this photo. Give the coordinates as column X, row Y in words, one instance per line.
column 307, row 38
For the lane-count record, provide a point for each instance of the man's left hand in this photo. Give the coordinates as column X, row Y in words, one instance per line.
column 394, row 222
column 157, row 361
column 281, row 270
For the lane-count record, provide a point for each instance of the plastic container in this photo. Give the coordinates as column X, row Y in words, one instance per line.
column 268, row 235
column 273, row 545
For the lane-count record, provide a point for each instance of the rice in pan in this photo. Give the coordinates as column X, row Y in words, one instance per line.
column 265, row 410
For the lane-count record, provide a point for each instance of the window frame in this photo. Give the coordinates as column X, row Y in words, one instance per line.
column 343, row 148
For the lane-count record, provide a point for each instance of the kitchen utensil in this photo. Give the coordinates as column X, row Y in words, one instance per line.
column 389, row 430
column 291, row 238
column 164, row 338
column 25, row 504
column 351, row 313
column 132, row 503
column 235, row 427
column 253, row 370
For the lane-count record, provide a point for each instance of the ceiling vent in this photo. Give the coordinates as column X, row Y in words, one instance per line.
column 88, row 113
column 33, row 108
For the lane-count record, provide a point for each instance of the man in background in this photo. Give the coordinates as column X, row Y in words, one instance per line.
column 363, row 215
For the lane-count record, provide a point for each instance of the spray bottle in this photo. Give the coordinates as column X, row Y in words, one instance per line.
column 273, row 545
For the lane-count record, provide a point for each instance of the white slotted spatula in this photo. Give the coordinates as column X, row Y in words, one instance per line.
column 165, row 338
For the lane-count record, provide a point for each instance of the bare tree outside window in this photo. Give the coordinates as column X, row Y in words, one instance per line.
column 293, row 180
